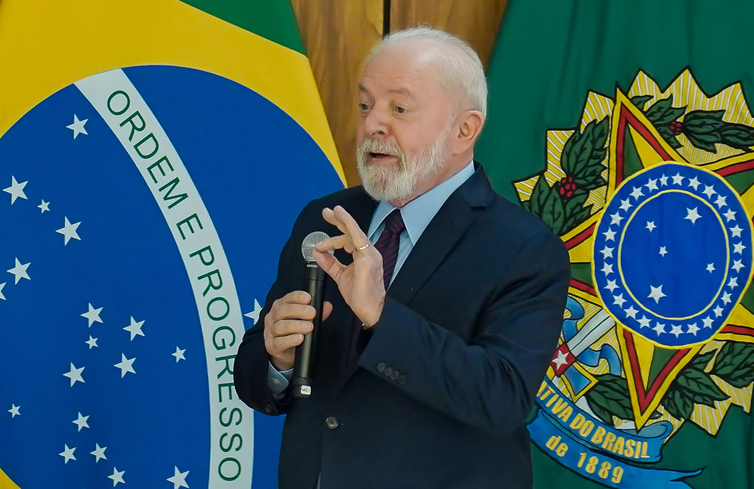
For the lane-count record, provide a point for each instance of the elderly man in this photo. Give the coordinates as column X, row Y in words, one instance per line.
column 444, row 300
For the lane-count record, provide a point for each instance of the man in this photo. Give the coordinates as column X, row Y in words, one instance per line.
column 441, row 316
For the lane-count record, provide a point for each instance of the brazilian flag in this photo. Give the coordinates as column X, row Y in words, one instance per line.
column 626, row 126
column 153, row 157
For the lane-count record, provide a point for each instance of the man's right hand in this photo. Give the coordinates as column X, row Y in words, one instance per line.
column 289, row 319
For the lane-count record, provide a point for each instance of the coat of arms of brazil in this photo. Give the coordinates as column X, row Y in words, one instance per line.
column 652, row 194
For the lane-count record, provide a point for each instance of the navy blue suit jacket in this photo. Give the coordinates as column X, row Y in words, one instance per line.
column 444, row 386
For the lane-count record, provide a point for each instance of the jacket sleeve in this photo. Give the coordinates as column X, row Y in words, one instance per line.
column 490, row 382
column 251, row 364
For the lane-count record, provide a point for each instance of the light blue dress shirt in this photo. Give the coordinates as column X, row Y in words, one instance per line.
column 417, row 215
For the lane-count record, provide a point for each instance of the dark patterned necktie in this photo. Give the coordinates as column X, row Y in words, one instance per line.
column 387, row 245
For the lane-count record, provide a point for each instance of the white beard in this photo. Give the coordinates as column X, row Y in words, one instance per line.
column 399, row 183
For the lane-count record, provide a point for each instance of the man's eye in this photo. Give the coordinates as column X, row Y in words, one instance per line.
column 400, row 110
column 363, row 107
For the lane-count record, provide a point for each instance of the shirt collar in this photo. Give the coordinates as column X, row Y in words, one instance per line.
column 418, row 213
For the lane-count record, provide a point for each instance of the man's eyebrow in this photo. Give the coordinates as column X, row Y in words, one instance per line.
column 399, row 91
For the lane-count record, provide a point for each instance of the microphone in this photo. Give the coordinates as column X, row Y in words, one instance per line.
column 303, row 366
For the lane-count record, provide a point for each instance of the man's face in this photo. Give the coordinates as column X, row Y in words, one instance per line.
column 406, row 118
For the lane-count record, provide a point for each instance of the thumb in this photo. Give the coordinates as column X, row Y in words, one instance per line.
column 326, row 310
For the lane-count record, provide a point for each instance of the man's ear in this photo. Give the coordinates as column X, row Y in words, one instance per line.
column 469, row 126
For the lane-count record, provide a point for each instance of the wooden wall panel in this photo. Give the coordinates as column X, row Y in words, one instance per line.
column 337, row 35
column 475, row 21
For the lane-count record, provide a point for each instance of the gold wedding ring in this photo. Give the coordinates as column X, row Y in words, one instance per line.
column 363, row 247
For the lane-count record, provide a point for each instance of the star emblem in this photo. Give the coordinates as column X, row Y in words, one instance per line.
column 78, row 127
column 663, row 180
column 726, row 298
column 561, row 359
column 92, row 315
column 652, row 184
column 625, row 205
column 16, row 190
column 14, row 410
column 718, row 311
column 179, row 354
column 92, row 342
column 19, row 271
column 99, row 452
column 677, row 179
column 607, row 252
column 631, row 312
column 636, row 193
column 618, row 300
column 117, row 477
column 709, row 190
column 730, row 215
column 616, row 218
column 644, row 321
column 676, row 330
column 692, row 329
column 663, row 251
column 692, row 215
column 656, row 293
column 736, row 232
column 67, row 453
column 179, row 479
column 2, row 286
column 75, row 375
column 611, row 285
column 720, row 202
column 707, row 322
column 45, row 206
column 81, row 422
column 134, row 328
column 125, row 365
column 737, row 265
column 733, row 282
column 254, row 315
column 609, row 235
column 694, row 182
column 659, row 328
column 607, row 269
column 710, row 267
column 69, row 231
column 651, row 226
column 739, row 248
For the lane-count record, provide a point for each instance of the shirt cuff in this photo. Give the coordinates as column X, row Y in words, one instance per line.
column 278, row 381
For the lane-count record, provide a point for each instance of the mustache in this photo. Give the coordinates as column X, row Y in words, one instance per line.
column 371, row 145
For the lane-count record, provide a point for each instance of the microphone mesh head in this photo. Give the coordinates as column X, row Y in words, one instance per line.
column 311, row 240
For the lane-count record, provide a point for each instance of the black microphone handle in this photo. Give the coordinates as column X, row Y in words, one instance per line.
column 303, row 366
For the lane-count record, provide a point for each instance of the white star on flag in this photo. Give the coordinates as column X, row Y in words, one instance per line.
column 135, row 328
column 652, row 184
column 692, row 215
column 708, row 191
column 730, row 215
column 2, row 286
column 179, row 479
column 78, row 126
column 92, row 342
column 651, row 226
column 733, row 282
column 609, row 235
column 611, row 285
column 656, row 293
column 664, row 180
column 45, row 206
column 707, row 322
column 636, row 193
column 16, row 190
column 67, row 453
column 625, row 205
column 99, row 452
column 694, row 182
column 93, row 315
column 561, row 359
column 692, row 329
column 644, row 321
column 726, row 298
column 254, row 315
column 19, row 271
column 14, row 410
column 710, row 267
column 737, row 265
column 179, row 354
column 720, row 201
column 117, row 477
column 75, row 374
column 125, row 365
column 677, row 329
column 739, row 248
column 616, row 218
column 81, row 422
column 631, row 312
column 69, row 231
column 718, row 311
column 736, row 232
column 618, row 300
column 607, row 269
column 607, row 252
column 663, row 251
column 659, row 328
column 677, row 179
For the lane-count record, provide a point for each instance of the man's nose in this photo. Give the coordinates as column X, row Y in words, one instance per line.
column 377, row 122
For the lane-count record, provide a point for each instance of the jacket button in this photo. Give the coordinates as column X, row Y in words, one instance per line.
column 395, row 375
column 388, row 372
column 332, row 422
column 402, row 379
column 381, row 367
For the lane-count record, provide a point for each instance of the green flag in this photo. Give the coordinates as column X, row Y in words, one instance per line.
column 626, row 127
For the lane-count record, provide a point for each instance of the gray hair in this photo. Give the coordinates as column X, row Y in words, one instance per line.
column 461, row 69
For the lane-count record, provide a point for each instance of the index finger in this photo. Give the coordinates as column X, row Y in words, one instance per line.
column 353, row 230
column 297, row 297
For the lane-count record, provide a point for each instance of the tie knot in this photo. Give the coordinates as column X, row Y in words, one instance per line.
column 394, row 222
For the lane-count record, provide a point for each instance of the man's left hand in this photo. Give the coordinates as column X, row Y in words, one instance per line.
column 361, row 282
